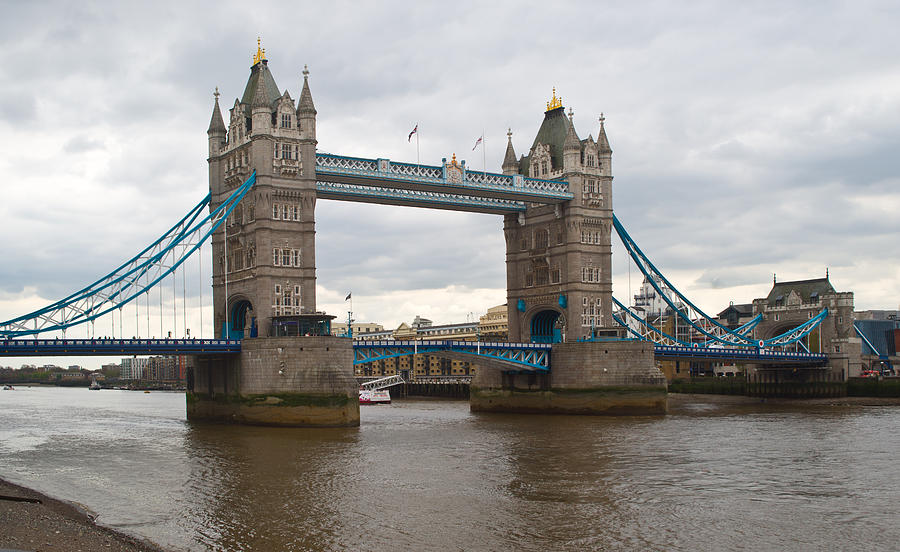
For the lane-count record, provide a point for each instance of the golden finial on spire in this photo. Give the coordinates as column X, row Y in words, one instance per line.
column 216, row 93
column 554, row 101
column 260, row 54
column 453, row 162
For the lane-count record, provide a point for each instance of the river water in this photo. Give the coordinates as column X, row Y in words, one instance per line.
column 430, row 475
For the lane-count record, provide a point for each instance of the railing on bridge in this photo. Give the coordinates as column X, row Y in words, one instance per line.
column 382, row 383
column 113, row 347
column 450, row 185
column 747, row 354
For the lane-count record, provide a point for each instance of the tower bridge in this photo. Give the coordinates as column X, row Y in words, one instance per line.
column 265, row 178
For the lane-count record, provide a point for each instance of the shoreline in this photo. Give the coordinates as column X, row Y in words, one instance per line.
column 39, row 522
column 687, row 403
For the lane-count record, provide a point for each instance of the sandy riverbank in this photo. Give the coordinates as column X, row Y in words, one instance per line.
column 32, row 521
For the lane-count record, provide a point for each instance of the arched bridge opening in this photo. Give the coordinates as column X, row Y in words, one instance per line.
column 546, row 327
column 241, row 322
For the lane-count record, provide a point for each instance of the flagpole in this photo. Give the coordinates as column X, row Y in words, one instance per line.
column 483, row 153
column 417, row 144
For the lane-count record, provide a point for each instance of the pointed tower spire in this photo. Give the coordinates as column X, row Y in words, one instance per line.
column 261, row 98
column 305, row 105
column 572, row 142
column 216, row 131
column 571, row 147
column 216, row 123
column 510, row 164
column 602, row 140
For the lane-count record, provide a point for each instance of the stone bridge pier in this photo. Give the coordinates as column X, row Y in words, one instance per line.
column 594, row 378
column 290, row 371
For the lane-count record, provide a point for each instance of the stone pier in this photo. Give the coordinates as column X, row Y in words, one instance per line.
column 595, row 378
column 278, row 381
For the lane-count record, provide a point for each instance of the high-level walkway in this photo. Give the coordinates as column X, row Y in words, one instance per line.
column 448, row 186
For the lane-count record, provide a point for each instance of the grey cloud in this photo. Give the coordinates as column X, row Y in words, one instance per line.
column 17, row 107
column 82, row 143
column 686, row 90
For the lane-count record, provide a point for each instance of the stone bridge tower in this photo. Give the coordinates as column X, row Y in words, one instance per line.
column 267, row 262
column 559, row 258
column 559, row 288
column 290, row 371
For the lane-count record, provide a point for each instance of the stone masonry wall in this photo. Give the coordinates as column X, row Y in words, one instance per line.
column 604, row 363
column 297, row 365
column 612, row 377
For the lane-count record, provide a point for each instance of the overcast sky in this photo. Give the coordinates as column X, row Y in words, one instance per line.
column 749, row 138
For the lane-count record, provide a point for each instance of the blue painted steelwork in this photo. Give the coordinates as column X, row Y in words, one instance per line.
column 117, row 347
column 746, row 354
column 695, row 317
column 450, row 182
column 656, row 335
column 531, row 356
column 123, row 284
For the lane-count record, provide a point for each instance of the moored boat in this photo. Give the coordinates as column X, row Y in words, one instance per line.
column 381, row 396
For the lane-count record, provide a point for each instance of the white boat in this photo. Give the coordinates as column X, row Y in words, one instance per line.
column 380, row 396
column 8, row 388
column 94, row 386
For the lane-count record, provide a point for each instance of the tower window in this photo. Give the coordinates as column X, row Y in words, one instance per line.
column 276, row 257
column 286, row 151
column 276, row 211
column 285, row 120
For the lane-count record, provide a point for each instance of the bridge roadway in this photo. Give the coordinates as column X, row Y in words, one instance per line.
column 115, row 347
column 528, row 356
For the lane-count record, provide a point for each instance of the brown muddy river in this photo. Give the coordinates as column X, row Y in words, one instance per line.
column 430, row 475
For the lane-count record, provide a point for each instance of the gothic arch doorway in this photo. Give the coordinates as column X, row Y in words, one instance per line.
column 546, row 326
column 240, row 318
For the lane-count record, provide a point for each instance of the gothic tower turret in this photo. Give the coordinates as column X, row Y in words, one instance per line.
column 306, row 111
column 571, row 148
column 510, row 164
column 216, row 131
